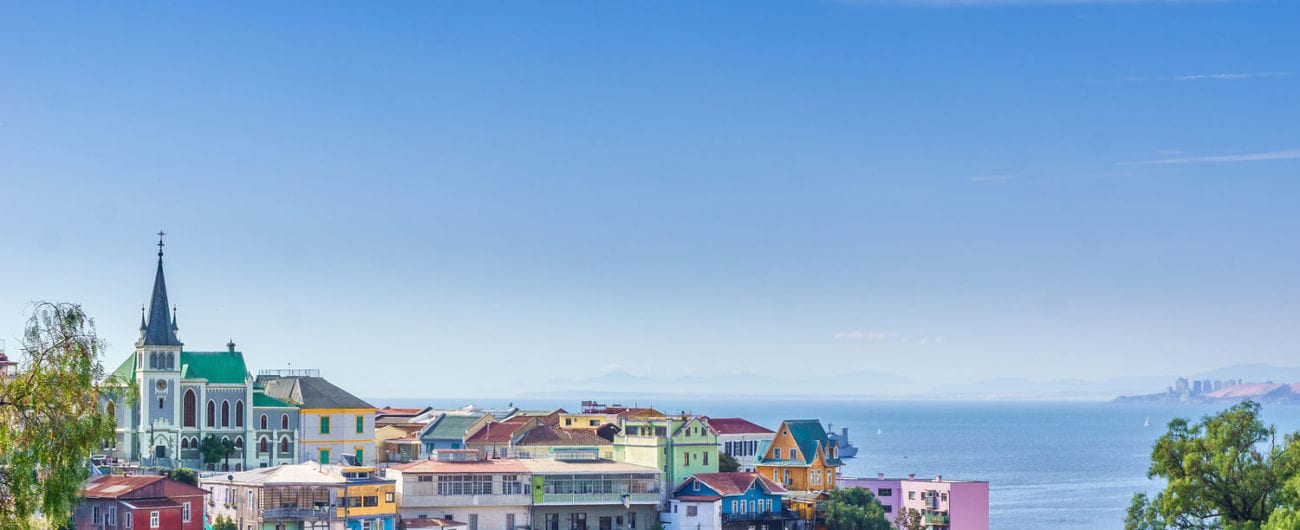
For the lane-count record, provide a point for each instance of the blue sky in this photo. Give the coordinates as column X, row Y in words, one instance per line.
column 428, row 199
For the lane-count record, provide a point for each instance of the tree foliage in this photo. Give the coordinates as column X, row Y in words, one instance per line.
column 727, row 463
column 215, row 449
column 1225, row 471
column 853, row 509
column 185, row 475
column 224, row 523
column 50, row 419
column 909, row 519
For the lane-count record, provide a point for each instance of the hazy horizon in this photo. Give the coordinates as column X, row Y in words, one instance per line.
column 472, row 200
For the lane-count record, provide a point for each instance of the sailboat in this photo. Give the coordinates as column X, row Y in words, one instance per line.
column 1147, row 423
column 879, row 432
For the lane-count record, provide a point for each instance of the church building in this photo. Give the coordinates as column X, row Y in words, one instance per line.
column 168, row 399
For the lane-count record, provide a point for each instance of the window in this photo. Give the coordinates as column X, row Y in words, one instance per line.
column 153, row 519
column 510, row 521
column 686, row 459
column 734, row 508
column 94, row 514
column 911, row 495
column 464, row 484
column 370, row 501
column 888, row 508
column 473, row 521
column 324, row 456
column 239, row 442
column 692, row 510
column 742, row 507
column 190, row 408
column 239, row 413
column 225, row 413
column 284, row 446
column 568, row 421
column 593, row 423
column 324, row 424
column 111, row 518
column 552, row 521
column 388, row 497
column 776, row 475
column 251, row 505
column 212, row 413
column 943, row 497
column 361, row 424
column 185, row 512
column 262, row 422
column 885, row 492
column 794, row 453
column 511, row 485
column 284, row 421
column 706, row 458
column 130, row 519
column 577, row 521
column 361, row 456
column 777, row 453
column 263, row 445
column 424, row 478
column 365, row 524
column 631, row 519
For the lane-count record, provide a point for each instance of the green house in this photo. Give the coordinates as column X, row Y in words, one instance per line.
column 678, row 446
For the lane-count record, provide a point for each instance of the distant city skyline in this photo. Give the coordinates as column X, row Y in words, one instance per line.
column 471, row 200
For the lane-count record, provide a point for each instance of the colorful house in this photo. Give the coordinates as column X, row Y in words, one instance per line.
column 800, row 456
column 543, row 440
column 496, row 439
column 678, row 446
column 741, row 439
column 140, row 501
column 334, row 425
column 576, row 490
column 943, row 504
column 398, row 442
column 447, row 430
column 301, row 496
column 462, row 486
column 731, row 501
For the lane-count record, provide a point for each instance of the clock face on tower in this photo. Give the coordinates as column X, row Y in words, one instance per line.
column 161, row 385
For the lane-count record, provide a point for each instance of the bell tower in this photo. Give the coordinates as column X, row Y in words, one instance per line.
column 158, row 364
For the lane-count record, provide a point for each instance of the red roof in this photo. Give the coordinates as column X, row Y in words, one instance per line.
column 737, row 426
column 495, row 432
column 395, row 410
column 698, row 498
column 137, row 487
column 545, row 435
column 153, row 503
column 734, row 483
column 498, row 465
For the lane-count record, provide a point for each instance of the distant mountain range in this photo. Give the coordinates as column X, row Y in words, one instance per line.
column 881, row 385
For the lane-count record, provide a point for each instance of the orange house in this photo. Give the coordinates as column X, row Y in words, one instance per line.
column 801, row 457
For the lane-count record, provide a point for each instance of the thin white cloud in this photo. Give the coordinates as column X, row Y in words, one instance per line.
column 1219, row 76
column 1285, row 154
column 861, row 335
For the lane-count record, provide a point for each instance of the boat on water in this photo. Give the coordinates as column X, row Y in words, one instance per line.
column 847, row 449
column 1147, row 423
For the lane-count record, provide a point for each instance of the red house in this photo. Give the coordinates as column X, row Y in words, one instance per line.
column 139, row 502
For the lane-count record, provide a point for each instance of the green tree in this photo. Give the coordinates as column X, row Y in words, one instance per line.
column 727, row 463
column 184, row 474
column 50, row 418
column 909, row 519
column 224, row 523
column 214, row 450
column 853, row 509
column 1225, row 471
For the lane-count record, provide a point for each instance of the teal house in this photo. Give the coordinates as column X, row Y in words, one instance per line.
column 728, row 501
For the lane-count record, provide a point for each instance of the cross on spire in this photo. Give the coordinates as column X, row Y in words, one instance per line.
column 160, row 244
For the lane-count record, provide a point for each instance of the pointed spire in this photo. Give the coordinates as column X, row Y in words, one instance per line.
column 174, row 327
column 159, row 329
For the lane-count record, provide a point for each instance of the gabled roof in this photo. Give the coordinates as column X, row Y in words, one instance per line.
column 218, row 367
column 497, row 432
column 394, row 411
column 737, row 426
column 450, row 426
column 729, row 484
column 313, row 393
column 810, row 436
column 137, row 487
column 547, row 436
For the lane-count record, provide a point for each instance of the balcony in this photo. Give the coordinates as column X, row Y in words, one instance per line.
column 783, row 515
column 414, row 500
column 295, row 513
column 599, row 498
column 934, row 519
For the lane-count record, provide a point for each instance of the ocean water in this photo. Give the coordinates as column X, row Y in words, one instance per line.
column 1061, row 465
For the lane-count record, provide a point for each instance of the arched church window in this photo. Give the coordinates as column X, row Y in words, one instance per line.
column 225, row 413
column 239, row 413
column 263, row 445
column 284, row 421
column 191, row 409
column 212, row 413
column 263, row 423
column 284, row 446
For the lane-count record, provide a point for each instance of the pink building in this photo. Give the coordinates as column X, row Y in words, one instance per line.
column 944, row 504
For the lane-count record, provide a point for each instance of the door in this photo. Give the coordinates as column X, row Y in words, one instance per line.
column 607, row 523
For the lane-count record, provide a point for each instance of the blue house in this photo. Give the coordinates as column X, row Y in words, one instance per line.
column 447, row 431
column 728, row 501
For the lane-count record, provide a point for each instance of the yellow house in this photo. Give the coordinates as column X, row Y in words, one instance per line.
column 801, row 457
column 369, row 499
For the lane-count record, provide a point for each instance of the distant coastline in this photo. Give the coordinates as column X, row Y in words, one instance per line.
column 1218, row 390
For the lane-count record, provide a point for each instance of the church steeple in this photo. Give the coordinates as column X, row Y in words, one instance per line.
column 160, row 330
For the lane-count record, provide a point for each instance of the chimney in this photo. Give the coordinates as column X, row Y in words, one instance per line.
column 938, row 478
column 880, row 476
column 911, row 476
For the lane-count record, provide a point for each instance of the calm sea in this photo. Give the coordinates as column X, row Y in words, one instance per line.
column 1048, row 464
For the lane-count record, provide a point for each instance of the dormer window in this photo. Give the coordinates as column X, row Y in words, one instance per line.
column 776, row 453
column 697, row 485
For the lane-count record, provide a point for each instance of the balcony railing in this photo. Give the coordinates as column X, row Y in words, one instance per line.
column 599, row 498
column 783, row 515
column 295, row 513
column 934, row 519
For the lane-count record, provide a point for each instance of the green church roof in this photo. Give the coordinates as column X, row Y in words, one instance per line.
column 220, row 367
column 262, row 400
